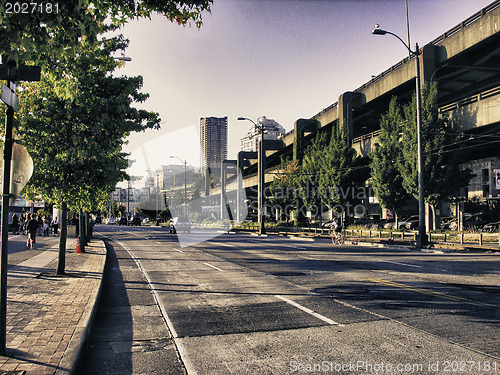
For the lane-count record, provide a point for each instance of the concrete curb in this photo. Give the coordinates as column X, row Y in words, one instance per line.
column 77, row 342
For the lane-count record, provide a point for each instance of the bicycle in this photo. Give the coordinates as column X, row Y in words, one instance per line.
column 337, row 237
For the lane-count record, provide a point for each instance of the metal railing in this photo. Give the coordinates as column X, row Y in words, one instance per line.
column 462, row 238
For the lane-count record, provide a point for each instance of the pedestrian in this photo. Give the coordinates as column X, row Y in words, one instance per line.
column 15, row 224
column 31, row 229
column 55, row 226
column 45, row 226
column 40, row 224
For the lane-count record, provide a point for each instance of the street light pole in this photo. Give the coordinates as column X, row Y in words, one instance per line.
column 261, row 165
column 422, row 234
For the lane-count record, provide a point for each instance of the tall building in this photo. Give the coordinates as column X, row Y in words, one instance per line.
column 213, row 140
column 273, row 131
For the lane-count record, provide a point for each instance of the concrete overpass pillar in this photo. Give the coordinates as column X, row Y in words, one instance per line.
column 347, row 102
column 243, row 161
column 303, row 126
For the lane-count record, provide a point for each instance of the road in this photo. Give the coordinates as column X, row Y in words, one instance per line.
column 241, row 304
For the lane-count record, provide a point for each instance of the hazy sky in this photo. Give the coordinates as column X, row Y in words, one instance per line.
column 283, row 59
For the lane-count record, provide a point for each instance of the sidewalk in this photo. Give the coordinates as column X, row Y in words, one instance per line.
column 48, row 315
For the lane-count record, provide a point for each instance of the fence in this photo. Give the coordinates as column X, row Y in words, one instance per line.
column 452, row 238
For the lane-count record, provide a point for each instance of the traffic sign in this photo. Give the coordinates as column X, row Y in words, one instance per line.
column 21, row 169
column 20, row 73
column 9, row 98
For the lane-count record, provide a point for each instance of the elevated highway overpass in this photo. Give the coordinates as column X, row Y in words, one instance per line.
column 465, row 64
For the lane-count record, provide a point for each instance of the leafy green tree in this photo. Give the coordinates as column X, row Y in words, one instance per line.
column 337, row 176
column 52, row 32
column 311, row 171
column 387, row 181
column 76, row 141
column 284, row 187
column 442, row 173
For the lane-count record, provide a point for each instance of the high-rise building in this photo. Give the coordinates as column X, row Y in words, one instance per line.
column 213, row 140
column 273, row 132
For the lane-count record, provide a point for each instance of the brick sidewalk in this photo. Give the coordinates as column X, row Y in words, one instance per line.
column 48, row 315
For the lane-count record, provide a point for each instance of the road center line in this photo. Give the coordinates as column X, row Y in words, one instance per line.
column 210, row 265
column 402, row 264
column 159, row 243
column 309, row 311
column 420, row 290
column 180, row 251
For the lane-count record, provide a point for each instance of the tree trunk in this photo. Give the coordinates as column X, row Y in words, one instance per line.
column 82, row 231
column 61, row 264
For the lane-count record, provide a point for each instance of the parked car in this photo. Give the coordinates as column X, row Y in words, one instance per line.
column 111, row 221
column 447, row 221
column 368, row 222
column 410, row 223
column 136, row 220
column 123, row 221
column 328, row 224
column 491, row 227
column 179, row 224
column 474, row 222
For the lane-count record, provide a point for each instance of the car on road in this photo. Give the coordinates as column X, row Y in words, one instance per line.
column 123, row 221
column 136, row 220
column 179, row 224
column 111, row 221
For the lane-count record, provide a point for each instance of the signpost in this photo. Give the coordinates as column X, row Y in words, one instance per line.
column 11, row 72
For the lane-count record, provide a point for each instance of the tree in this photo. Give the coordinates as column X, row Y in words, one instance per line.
column 337, row 177
column 311, row 171
column 76, row 141
column 387, row 181
column 442, row 173
column 51, row 32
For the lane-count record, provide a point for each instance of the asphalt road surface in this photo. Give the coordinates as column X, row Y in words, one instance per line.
column 242, row 304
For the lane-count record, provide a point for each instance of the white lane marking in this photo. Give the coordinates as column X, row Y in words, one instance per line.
column 309, row 311
column 180, row 251
column 210, row 265
column 159, row 243
column 402, row 264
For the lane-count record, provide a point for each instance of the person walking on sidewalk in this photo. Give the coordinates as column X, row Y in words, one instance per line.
column 31, row 228
column 15, row 224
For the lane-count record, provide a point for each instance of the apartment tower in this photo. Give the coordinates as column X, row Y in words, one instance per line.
column 213, row 140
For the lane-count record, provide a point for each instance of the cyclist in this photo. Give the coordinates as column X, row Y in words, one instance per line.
column 336, row 230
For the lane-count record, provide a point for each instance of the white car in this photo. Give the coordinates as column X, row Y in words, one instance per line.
column 111, row 221
column 179, row 224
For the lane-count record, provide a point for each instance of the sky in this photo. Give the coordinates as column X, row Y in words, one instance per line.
column 283, row 59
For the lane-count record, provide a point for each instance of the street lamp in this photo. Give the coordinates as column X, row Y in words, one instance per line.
column 261, row 165
column 185, row 180
column 123, row 58
column 422, row 235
